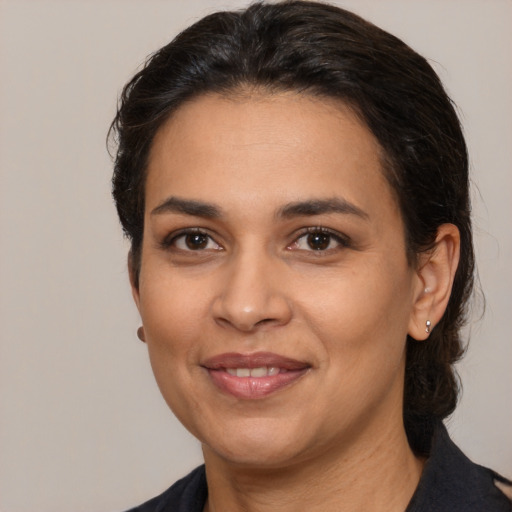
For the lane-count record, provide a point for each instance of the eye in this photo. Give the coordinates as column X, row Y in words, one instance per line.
column 318, row 240
column 193, row 240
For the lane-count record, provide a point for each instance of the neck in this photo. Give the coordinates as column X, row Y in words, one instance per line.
column 378, row 472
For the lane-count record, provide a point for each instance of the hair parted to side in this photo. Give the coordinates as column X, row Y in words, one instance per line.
column 321, row 50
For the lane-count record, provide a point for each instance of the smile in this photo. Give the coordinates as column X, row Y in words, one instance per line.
column 262, row 371
column 253, row 376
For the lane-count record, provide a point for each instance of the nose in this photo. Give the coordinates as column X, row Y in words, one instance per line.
column 251, row 295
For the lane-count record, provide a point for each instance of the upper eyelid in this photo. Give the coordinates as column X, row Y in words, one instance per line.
column 174, row 235
column 341, row 241
column 181, row 238
column 299, row 233
column 328, row 231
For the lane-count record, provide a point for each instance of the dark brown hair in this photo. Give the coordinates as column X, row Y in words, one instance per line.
column 322, row 50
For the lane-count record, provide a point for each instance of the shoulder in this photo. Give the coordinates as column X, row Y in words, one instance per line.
column 504, row 485
column 451, row 481
column 186, row 495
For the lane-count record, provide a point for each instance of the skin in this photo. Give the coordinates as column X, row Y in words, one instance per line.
column 257, row 283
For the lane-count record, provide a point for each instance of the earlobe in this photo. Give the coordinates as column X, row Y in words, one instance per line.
column 141, row 334
column 134, row 283
column 436, row 273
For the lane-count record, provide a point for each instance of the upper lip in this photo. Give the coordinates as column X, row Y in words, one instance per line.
column 255, row 360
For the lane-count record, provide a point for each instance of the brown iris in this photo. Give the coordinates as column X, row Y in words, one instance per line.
column 319, row 241
column 196, row 241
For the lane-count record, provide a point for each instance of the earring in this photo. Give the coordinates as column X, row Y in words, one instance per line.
column 140, row 334
column 427, row 326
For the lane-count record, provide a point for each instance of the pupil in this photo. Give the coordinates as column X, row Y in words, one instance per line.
column 319, row 241
column 196, row 241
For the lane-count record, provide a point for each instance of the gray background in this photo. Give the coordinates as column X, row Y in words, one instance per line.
column 82, row 424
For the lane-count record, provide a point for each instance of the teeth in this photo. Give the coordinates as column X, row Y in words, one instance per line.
column 259, row 372
column 262, row 371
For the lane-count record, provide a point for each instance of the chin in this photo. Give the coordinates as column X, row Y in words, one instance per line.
column 255, row 443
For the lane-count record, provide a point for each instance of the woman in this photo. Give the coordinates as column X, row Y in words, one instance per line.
column 294, row 184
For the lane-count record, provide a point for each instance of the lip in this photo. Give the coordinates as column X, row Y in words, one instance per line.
column 250, row 388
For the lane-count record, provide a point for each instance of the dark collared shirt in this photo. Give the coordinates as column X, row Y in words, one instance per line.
column 450, row 483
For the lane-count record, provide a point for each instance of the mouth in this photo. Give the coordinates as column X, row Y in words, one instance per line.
column 253, row 376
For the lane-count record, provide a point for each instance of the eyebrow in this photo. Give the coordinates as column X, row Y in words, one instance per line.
column 188, row 207
column 307, row 208
column 321, row 206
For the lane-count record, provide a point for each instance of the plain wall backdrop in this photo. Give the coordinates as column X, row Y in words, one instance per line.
column 82, row 424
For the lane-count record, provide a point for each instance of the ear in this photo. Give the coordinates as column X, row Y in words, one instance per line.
column 134, row 281
column 435, row 275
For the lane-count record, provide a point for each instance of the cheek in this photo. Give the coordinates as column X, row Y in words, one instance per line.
column 173, row 311
column 363, row 338
column 173, row 315
column 361, row 317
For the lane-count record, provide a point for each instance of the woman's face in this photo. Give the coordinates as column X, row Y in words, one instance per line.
column 274, row 287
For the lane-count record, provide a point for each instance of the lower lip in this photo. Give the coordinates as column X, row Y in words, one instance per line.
column 251, row 388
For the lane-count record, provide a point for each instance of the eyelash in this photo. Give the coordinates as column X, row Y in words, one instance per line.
column 341, row 240
column 171, row 239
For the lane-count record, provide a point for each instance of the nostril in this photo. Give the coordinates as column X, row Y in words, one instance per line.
column 245, row 325
column 223, row 322
column 264, row 321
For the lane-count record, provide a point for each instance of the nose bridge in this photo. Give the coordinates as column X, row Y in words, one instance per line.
column 250, row 296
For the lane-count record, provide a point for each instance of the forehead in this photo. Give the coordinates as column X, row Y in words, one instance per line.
column 255, row 116
column 258, row 148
